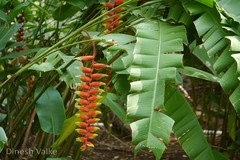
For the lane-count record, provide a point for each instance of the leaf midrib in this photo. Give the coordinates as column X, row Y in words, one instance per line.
column 156, row 79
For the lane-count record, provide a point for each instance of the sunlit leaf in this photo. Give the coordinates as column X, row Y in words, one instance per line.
column 231, row 8
column 150, row 69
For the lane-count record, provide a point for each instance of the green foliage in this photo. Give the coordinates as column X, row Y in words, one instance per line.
column 64, row 12
column 214, row 50
column 230, row 8
column 50, row 110
column 7, row 33
column 150, row 69
column 67, row 129
column 206, row 2
column 3, row 139
column 186, row 128
column 111, row 101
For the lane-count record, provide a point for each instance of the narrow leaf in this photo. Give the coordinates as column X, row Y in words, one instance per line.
column 17, row 10
column 3, row 16
column 194, row 72
column 7, row 33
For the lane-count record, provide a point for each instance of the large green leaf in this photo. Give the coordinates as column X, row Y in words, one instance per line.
column 50, row 110
column 231, row 8
column 215, row 51
column 151, row 67
column 186, row 127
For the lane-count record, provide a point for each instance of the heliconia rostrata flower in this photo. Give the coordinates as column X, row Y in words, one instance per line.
column 112, row 18
column 89, row 94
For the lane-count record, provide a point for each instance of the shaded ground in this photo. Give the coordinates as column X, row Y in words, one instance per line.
column 111, row 147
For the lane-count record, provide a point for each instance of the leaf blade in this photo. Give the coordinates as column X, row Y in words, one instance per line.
column 50, row 110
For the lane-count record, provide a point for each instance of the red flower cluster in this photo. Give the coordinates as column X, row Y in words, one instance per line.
column 112, row 18
column 87, row 101
column 20, row 33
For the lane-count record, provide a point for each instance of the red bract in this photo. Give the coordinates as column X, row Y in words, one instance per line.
column 82, row 94
column 109, row 20
column 99, row 65
column 81, row 124
column 97, row 84
column 82, row 101
column 91, row 135
column 92, row 129
column 94, row 98
column 84, row 86
column 94, row 91
column 119, row 10
column 111, row 13
column 93, row 113
column 108, row 5
column 117, row 23
column 86, row 70
column 82, row 131
column 85, row 79
column 82, row 116
column 83, row 109
column 89, row 144
column 106, row 31
column 81, row 139
column 92, row 120
column 117, row 16
column 117, row 2
column 98, row 76
column 85, row 58
column 94, row 105
column 83, row 147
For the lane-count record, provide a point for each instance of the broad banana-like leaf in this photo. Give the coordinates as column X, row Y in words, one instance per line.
column 217, row 49
column 231, row 8
column 186, row 127
column 178, row 14
column 152, row 66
